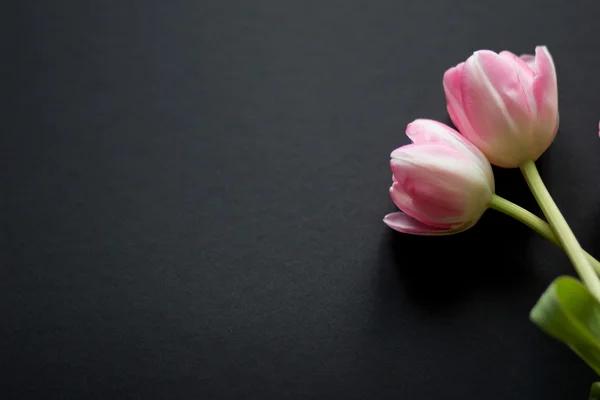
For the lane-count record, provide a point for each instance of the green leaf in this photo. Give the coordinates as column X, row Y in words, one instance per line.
column 595, row 391
column 569, row 313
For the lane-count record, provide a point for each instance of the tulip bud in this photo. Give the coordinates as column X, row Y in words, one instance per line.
column 442, row 183
column 505, row 105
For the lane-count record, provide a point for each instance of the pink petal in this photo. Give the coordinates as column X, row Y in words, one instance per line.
column 452, row 78
column 492, row 93
column 404, row 223
column 544, row 85
column 413, row 208
column 545, row 91
column 454, row 100
column 497, row 106
column 422, row 131
column 417, row 153
column 524, row 69
column 529, row 60
column 526, row 75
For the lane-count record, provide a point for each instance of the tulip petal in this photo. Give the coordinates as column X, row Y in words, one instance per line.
column 496, row 105
column 452, row 89
column 545, row 91
column 526, row 75
column 544, row 84
column 404, row 223
column 529, row 59
column 524, row 69
column 420, row 203
column 451, row 82
column 490, row 80
column 422, row 131
column 430, row 131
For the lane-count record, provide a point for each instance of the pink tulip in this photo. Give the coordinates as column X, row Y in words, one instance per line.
column 505, row 105
column 442, row 183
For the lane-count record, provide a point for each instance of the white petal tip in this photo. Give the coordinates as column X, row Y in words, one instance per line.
column 403, row 223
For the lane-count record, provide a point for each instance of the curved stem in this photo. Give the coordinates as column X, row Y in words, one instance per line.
column 534, row 222
column 560, row 227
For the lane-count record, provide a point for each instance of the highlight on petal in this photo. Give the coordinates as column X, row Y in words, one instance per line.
column 545, row 85
column 545, row 91
column 421, row 154
column 404, row 223
column 422, row 131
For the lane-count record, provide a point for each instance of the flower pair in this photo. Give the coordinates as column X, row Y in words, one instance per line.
column 506, row 109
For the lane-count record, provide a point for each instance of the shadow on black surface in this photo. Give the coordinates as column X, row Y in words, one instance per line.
column 437, row 272
column 594, row 247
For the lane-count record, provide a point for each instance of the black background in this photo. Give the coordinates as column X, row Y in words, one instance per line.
column 192, row 195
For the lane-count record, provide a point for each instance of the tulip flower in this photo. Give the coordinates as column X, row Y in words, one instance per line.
column 442, row 183
column 505, row 105
column 506, row 108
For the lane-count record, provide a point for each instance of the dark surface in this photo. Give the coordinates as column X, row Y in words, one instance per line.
column 192, row 195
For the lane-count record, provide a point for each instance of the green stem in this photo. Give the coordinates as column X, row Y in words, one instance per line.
column 537, row 224
column 560, row 227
